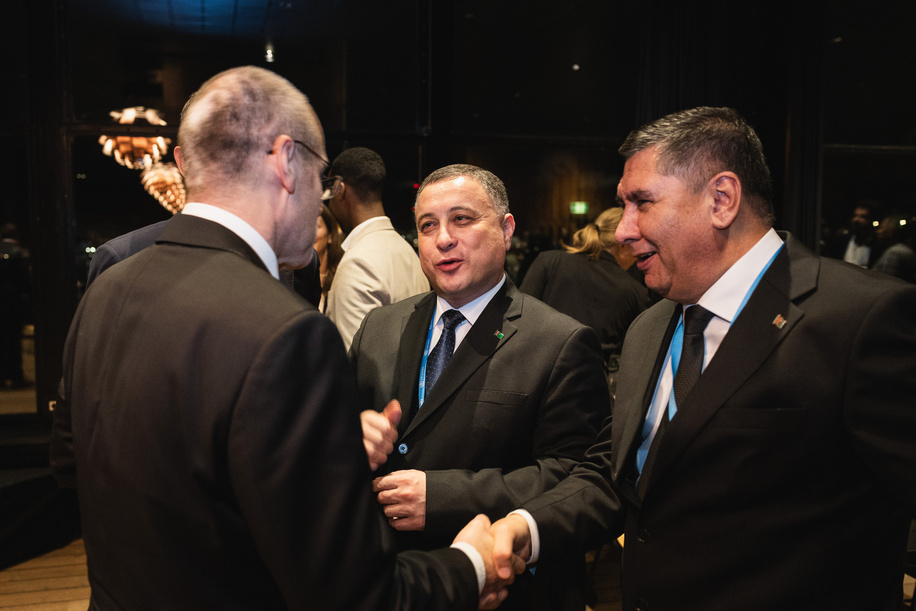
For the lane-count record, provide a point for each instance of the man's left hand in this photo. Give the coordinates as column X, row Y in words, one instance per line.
column 403, row 494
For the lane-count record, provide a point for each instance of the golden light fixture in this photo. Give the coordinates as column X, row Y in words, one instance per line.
column 161, row 180
column 164, row 182
column 136, row 152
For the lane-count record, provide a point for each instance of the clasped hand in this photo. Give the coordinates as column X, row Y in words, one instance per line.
column 503, row 547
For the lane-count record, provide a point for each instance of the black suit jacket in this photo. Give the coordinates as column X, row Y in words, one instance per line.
column 306, row 281
column 514, row 410
column 596, row 292
column 117, row 249
column 218, row 450
column 788, row 477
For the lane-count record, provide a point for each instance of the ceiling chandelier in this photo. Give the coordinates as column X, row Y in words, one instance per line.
column 161, row 180
column 136, row 152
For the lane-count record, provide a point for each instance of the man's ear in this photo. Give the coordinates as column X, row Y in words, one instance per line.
column 725, row 188
column 282, row 158
column 179, row 160
column 508, row 229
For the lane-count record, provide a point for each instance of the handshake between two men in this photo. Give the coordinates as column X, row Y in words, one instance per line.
column 503, row 546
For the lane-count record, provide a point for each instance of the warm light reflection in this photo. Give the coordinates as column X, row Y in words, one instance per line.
column 163, row 181
column 136, row 152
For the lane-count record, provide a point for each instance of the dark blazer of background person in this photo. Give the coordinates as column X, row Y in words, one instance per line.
column 119, row 248
column 270, row 402
column 597, row 293
column 305, row 281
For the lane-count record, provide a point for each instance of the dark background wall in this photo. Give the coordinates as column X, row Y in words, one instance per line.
column 542, row 93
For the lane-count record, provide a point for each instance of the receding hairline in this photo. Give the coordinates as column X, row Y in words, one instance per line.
column 489, row 182
column 226, row 84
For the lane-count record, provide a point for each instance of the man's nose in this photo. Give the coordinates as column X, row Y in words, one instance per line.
column 627, row 230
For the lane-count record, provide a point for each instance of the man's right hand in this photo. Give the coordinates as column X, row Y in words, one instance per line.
column 477, row 533
column 511, row 549
column 380, row 431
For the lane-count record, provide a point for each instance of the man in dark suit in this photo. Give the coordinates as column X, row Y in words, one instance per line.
column 119, row 248
column 211, row 412
column 786, row 477
column 515, row 407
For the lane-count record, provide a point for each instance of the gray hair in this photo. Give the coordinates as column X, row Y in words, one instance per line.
column 492, row 185
column 234, row 118
column 694, row 145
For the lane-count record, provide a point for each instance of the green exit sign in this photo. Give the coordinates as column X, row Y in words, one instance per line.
column 578, row 207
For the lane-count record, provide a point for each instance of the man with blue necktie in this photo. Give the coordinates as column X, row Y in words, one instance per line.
column 501, row 394
column 785, row 478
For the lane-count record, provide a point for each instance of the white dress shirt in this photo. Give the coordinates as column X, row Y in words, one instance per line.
column 724, row 299
column 240, row 228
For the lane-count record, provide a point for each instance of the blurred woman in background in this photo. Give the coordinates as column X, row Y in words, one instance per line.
column 327, row 244
column 585, row 281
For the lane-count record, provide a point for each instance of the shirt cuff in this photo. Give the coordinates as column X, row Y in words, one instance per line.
column 476, row 559
column 533, row 535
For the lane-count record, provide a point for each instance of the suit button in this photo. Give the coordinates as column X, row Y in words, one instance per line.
column 402, row 449
column 642, row 535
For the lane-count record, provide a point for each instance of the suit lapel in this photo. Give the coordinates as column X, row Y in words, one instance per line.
column 410, row 355
column 767, row 318
column 645, row 356
column 481, row 342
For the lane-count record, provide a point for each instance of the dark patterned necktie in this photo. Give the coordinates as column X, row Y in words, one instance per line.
column 689, row 368
column 691, row 362
column 444, row 348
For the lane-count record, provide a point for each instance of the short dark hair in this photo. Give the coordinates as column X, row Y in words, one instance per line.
column 491, row 183
column 361, row 169
column 695, row 144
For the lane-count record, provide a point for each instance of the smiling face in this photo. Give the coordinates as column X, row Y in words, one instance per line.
column 668, row 228
column 461, row 238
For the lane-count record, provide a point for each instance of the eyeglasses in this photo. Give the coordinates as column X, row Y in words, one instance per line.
column 330, row 185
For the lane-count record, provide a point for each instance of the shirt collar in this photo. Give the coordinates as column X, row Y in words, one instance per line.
column 724, row 298
column 471, row 310
column 240, row 228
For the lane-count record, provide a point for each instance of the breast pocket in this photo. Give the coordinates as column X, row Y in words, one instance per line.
column 780, row 419
column 503, row 425
column 497, row 409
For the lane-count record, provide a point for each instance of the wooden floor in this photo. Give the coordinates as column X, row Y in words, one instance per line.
column 56, row 581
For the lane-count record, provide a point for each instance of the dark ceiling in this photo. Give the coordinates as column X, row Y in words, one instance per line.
column 249, row 19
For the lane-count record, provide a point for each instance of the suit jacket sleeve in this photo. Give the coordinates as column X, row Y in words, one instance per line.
column 583, row 510
column 574, row 403
column 103, row 258
column 879, row 391
column 300, row 474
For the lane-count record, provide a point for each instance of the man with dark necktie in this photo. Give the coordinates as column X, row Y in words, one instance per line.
column 786, row 477
column 501, row 394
